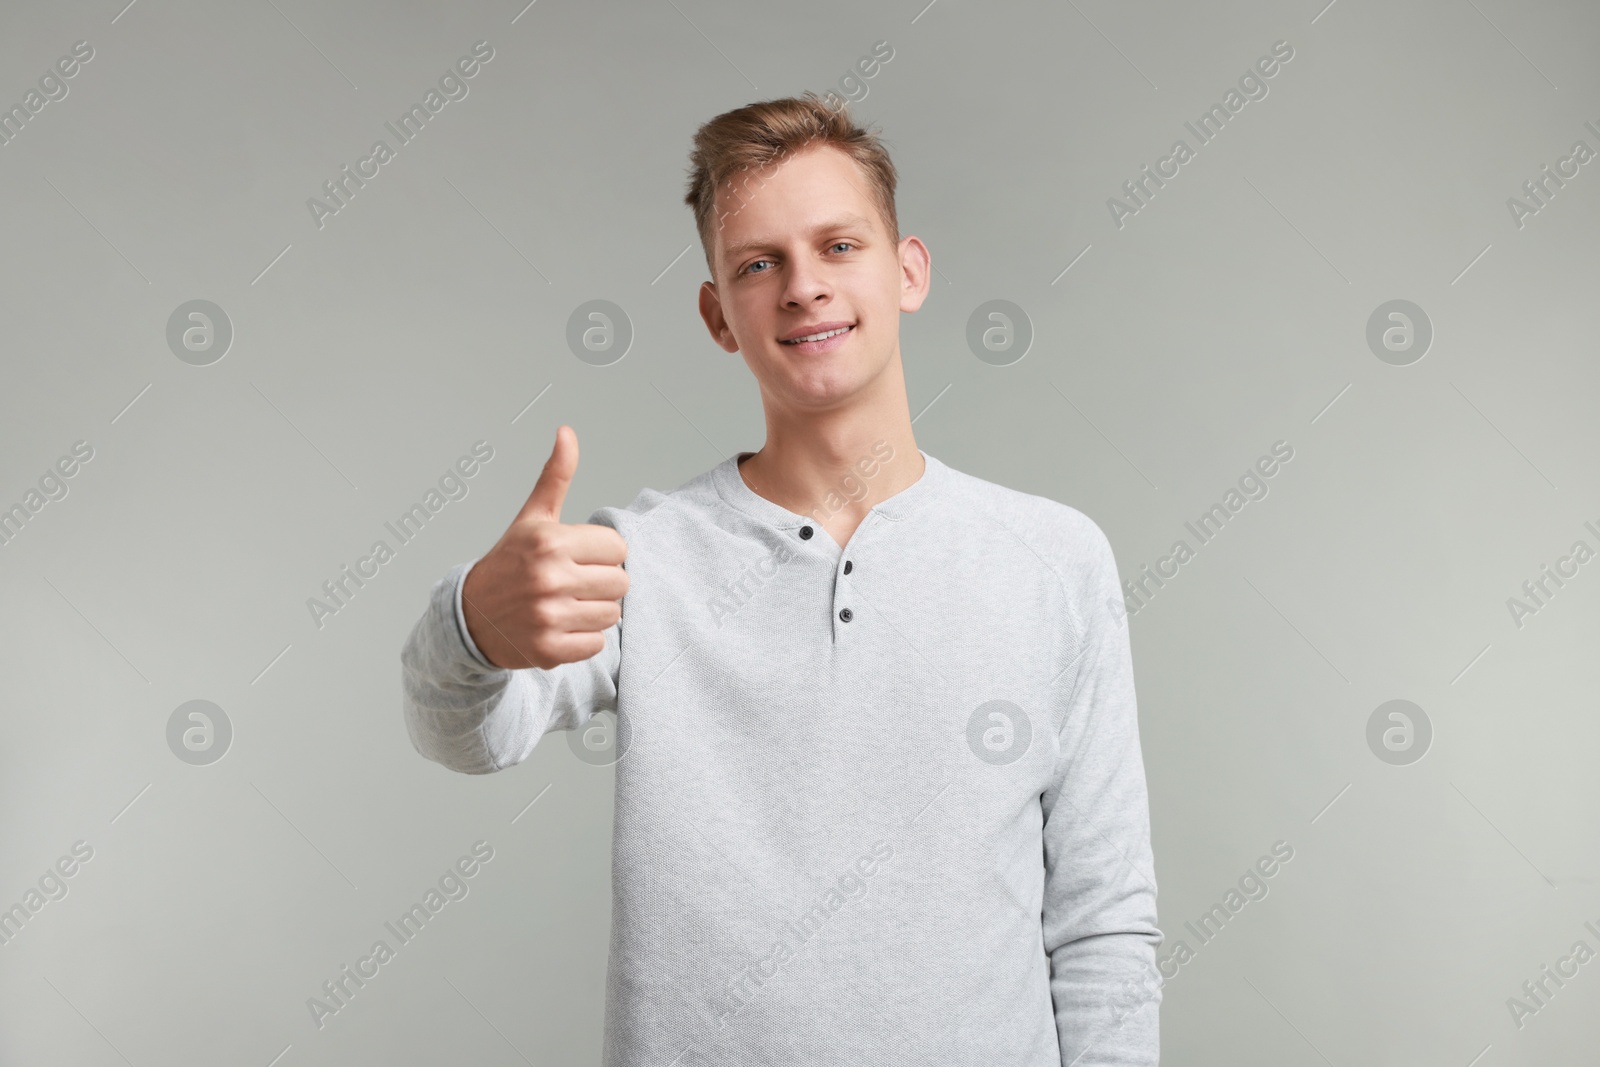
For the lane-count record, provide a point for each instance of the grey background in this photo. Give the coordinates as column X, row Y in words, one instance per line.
column 430, row 313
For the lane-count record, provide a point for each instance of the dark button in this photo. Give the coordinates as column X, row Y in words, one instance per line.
column 846, row 614
column 847, row 566
column 805, row 533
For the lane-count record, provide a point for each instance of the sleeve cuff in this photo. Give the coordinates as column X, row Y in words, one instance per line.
column 461, row 620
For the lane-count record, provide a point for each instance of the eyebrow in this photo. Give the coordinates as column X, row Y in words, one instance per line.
column 843, row 222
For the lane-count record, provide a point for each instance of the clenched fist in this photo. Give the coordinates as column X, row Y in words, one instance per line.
column 547, row 591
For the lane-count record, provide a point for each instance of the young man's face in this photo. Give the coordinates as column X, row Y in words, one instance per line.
column 800, row 248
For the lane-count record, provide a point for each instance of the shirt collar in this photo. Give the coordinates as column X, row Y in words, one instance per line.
column 730, row 486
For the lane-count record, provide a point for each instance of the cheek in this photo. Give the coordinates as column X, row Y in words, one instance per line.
column 887, row 282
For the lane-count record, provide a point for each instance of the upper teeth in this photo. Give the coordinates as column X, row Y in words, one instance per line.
column 816, row 336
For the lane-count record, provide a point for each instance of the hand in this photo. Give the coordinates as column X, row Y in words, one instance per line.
column 547, row 591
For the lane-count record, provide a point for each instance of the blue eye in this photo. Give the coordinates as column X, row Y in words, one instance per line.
column 751, row 268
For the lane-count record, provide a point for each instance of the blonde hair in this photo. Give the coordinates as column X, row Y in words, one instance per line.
column 746, row 139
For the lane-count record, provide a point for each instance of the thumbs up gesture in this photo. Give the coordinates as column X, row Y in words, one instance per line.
column 547, row 591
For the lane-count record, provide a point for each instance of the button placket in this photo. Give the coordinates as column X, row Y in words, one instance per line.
column 843, row 615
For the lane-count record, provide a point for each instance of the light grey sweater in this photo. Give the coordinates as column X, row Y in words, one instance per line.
column 879, row 805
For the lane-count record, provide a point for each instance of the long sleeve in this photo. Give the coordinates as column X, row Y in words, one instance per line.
column 470, row 716
column 1099, row 915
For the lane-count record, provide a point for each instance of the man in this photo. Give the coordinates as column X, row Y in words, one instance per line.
column 880, row 797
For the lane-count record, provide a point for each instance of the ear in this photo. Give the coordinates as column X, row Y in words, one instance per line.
column 716, row 322
column 916, row 268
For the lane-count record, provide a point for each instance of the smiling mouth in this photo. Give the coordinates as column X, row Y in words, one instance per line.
column 819, row 336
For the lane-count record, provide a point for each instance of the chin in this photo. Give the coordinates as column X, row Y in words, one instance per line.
column 821, row 386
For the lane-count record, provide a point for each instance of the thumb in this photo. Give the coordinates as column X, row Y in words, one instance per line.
column 551, row 489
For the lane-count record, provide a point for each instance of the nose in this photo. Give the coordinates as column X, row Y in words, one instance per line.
column 805, row 284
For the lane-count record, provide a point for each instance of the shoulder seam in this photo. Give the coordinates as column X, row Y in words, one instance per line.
column 1074, row 617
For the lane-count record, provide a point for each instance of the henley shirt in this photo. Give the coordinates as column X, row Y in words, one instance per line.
column 881, row 804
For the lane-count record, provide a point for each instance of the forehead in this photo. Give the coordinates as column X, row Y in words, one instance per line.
column 813, row 188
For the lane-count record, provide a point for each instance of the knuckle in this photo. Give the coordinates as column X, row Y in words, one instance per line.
column 541, row 536
column 546, row 576
column 542, row 653
column 545, row 614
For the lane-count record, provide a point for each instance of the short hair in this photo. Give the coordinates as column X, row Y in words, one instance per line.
column 760, row 134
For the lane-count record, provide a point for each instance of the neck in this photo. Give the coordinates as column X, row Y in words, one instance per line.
column 840, row 462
